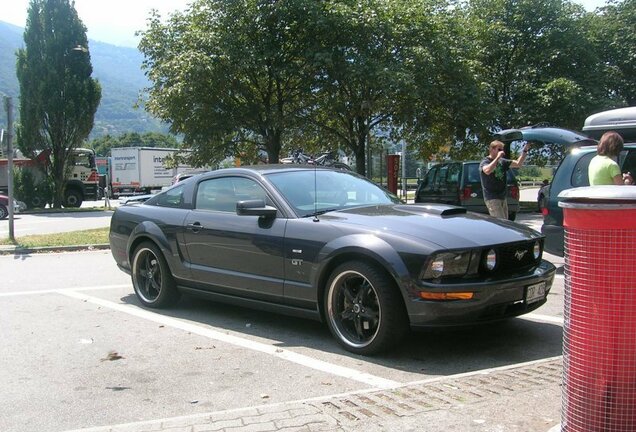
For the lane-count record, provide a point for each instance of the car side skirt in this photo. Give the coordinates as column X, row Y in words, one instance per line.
column 253, row 303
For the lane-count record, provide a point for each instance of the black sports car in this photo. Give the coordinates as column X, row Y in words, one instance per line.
column 331, row 245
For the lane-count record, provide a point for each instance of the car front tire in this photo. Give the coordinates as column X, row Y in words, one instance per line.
column 364, row 309
column 4, row 212
column 152, row 281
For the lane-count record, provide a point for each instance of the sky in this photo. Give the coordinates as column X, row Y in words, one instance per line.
column 116, row 21
column 111, row 21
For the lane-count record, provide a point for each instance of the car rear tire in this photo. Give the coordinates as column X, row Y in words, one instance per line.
column 512, row 216
column 152, row 281
column 4, row 212
column 364, row 309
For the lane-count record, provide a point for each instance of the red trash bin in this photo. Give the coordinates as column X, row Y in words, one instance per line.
column 599, row 340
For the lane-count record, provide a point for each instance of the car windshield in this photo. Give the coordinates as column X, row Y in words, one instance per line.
column 319, row 191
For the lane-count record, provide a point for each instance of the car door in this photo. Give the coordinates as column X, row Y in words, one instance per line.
column 425, row 189
column 232, row 254
column 431, row 190
column 472, row 195
column 449, row 187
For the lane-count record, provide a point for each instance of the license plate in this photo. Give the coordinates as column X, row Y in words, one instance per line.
column 535, row 292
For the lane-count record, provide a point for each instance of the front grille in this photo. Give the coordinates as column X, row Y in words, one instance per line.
column 515, row 257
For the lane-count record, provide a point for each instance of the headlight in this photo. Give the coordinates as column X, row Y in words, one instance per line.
column 490, row 262
column 447, row 264
column 536, row 251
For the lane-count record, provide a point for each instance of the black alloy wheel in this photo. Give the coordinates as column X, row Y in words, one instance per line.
column 152, row 281
column 364, row 309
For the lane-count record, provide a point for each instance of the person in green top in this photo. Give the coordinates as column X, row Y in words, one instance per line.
column 603, row 168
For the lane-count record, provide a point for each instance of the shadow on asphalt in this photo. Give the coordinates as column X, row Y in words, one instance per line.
column 438, row 351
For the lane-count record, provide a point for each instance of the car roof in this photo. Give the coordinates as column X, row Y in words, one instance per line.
column 546, row 135
column 273, row 168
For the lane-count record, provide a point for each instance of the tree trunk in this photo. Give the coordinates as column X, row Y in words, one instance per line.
column 361, row 160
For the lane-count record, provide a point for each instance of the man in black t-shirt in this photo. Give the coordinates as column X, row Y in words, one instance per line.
column 493, row 171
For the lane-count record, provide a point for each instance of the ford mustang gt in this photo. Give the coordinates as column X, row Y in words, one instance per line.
column 330, row 245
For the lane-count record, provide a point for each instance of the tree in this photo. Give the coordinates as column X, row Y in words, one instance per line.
column 390, row 71
column 614, row 34
column 229, row 75
column 535, row 62
column 58, row 97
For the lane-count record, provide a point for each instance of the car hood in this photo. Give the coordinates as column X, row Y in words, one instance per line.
column 446, row 226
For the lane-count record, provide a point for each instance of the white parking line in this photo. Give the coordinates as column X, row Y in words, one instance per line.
column 57, row 291
column 543, row 318
column 330, row 368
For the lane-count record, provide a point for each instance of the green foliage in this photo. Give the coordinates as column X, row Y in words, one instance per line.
column 58, row 97
column 613, row 32
column 35, row 192
column 96, row 236
column 535, row 61
column 229, row 74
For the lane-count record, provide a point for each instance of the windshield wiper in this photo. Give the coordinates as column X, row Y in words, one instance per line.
column 321, row 212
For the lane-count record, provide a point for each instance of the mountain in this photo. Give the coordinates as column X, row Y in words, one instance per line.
column 118, row 70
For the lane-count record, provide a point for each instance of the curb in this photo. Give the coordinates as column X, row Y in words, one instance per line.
column 17, row 250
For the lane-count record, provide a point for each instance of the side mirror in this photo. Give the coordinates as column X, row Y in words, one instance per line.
column 255, row 208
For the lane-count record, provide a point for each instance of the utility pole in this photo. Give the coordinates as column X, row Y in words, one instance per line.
column 8, row 102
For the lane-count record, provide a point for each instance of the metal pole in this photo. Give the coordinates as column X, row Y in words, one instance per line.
column 404, row 189
column 9, row 107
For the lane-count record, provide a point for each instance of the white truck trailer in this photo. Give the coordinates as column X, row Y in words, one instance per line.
column 140, row 170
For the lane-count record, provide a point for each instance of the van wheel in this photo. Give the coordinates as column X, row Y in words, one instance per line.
column 512, row 216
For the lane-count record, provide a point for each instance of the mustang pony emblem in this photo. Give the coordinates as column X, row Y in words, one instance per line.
column 519, row 254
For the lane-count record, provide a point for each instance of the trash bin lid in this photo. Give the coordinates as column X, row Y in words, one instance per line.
column 605, row 196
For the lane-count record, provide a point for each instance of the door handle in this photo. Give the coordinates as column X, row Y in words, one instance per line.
column 195, row 226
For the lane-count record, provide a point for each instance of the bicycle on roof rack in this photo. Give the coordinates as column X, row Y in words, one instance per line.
column 326, row 159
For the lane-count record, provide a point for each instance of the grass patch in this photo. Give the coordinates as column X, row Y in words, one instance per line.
column 74, row 238
column 64, row 210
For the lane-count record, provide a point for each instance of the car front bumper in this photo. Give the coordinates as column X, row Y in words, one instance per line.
column 492, row 300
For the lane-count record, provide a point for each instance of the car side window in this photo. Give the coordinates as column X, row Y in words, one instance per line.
column 629, row 162
column 452, row 177
column 579, row 173
column 429, row 180
column 441, row 177
column 171, row 198
column 222, row 194
column 472, row 174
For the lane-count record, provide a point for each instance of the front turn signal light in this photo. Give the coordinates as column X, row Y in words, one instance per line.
column 427, row 295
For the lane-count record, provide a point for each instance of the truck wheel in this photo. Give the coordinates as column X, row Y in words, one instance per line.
column 72, row 198
column 4, row 212
column 364, row 309
column 37, row 202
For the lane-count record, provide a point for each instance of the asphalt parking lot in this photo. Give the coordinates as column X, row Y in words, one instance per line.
column 82, row 354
